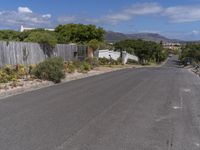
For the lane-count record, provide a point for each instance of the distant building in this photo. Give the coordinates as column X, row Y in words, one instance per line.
column 22, row 29
column 172, row 46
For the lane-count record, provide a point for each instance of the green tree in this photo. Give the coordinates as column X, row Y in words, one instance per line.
column 192, row 51
column 79, row 33
column 145, row 50
column 42, row 37
column 92, row 46
column 9, row 35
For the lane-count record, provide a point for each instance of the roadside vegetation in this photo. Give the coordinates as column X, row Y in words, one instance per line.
column 147, row 51
column 63, row 34
column 190, row 54
column 52, row 69
column 55, row 69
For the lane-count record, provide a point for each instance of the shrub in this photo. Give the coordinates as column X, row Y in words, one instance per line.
column 85, row 67
column 70, row 67
column 51, row 69
column 3, row 77
column 8, row 73
column 21, row 71
column 8, row 69
column 115, row 62
column 131, row 61
column 104, row 61
column 93, row 62
column 119, row 61
column 31, row 69
column 76, row 63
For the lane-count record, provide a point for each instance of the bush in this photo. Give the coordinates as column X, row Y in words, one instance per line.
column 104, row 61
column 8, row 73
column 51, row 69
column 3, row 77
column 116, row 62
column 21, row 71
column 31, row 69
column 85, row 67
column 93, row 62
column 76, row 63
column 70, row 67
column 131, row 61
column 119, row 61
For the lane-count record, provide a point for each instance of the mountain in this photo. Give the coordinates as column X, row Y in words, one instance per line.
column 116, row 36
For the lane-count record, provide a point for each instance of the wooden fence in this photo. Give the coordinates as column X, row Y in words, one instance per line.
column 32, row 53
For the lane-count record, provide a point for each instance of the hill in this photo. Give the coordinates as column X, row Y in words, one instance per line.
column 116, row 36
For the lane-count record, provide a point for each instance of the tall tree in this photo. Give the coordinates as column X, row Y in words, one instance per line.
column 9, row 35
column 42, row 37
column 145, row 50
column 79, row 33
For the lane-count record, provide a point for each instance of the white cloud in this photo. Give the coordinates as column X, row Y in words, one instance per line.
column 115, row 18
column 24, row 16
column 67, row 19
column 180, row 14
column 135, row 10
column 46, row 16
column 195, row 32
column 75, row 19
column 92, row 20
column 175, row 14
column 24, row 10
column 144, row 9
column 149, row 31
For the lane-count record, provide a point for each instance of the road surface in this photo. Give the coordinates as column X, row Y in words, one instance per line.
column 132, row 109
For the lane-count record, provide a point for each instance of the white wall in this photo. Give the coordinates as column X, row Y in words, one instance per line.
column 126, row 56
column 107, row 54
column 115, row 55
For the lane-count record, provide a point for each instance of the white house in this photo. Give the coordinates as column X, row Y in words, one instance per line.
column 22, row 29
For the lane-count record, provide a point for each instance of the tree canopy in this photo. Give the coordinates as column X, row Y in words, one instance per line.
column 145, row 50
column 42, row 37
column 191, row 50
column 94, row 44
column 64, row 34
column 79, row 33
column 9, row 35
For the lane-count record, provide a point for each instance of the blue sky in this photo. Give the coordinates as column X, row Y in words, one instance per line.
column 171, row 18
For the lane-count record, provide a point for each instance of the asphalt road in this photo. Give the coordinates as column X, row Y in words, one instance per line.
column 132, row 109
